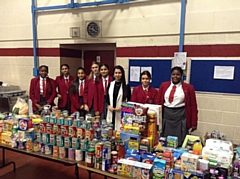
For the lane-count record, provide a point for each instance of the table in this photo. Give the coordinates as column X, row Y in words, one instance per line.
column 66, row 162
column 90, row 170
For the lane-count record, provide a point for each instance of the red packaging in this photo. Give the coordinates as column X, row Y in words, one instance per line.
column 64, row 130
column 43, row 127
column 81, row 133
column 49, row 128
column 24, row 124
column 98, row 149
column 72, row 131
column 89, row 134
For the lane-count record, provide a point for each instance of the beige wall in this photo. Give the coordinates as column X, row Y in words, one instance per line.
column 149, row 23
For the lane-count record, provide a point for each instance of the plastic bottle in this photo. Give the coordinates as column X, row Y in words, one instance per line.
column 46, row 111
column 197, row 148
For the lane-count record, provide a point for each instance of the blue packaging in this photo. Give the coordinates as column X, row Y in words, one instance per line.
column 134, row 157
column 159, row 167
column 148, row 158
column 126, row 138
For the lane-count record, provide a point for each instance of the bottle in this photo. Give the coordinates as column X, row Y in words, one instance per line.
column 197, row 148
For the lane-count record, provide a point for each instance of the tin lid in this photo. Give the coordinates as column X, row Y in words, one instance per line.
column 91, row 150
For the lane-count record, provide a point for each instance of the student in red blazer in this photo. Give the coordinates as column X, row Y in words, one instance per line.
column 102, row 89
column 63, row 83
column 76, row 92
column 179, row 106
column 42, row 90
column 144, row 93
column 91, row 90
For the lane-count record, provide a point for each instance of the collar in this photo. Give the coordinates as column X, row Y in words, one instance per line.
column 177, row 85
column 66, row 78
column 145, row 88
column 81, row 81
column 105, row 78
column 41, row 78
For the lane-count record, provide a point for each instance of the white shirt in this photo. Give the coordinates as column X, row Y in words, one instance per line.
column 178, row 100
column 81, row 81
column 103, row 80
column 66, row 78
column 145, row 88
column 41, row 84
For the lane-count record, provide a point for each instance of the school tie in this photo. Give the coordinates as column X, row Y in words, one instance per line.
column 81, row 88
column 66, row 82
column 105, row 87
column 44, row 88
column 171, row 96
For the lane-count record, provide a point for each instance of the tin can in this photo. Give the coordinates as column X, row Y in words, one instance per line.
column 51, row 120
column 76, row 115
column 52, row 139
column 61, row 120
column 29, row 145
column 87, row 116
column 77, row 123
column 98, row 163
column 43, row 127
column 55, row 151
column 57, row 113
column 104, row 122
column 55, row 120
column 60, row 141
column 45, row 138
column 36, row 127
column 79, row 155
column 105, row 165
column 48, row 149
column 84, row 144
column 54, row 108
column 71, row 153
column 35, row 146
column 84, row 124
column 49, row 128
column 104, row 134
column 66, row 122
column 39, row 137
column 55, row 129
column 47, row 118
column 64, row 130
column 81, row 133
column 114, row 157
column 62, row 152
column 88, row 124
column 89, row 134
column 65, row 113
column 67, row 142
column 41, row 147
column 75, row 143
column 107, row 150
column 72, row 131
column 99, row 149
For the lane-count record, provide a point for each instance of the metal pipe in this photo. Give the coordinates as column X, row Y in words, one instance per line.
column 96, row 3
column 34, row 31
column 182, row 25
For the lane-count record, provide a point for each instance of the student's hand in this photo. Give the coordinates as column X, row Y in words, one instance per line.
column 86, row 107
column 39, row 106
column 82, row 107
column 110, row 108
column 97, row 113
column 59, row 96
column 118, row 109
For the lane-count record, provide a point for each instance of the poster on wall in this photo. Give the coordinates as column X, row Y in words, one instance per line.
column 224, row 72
column 180, row 59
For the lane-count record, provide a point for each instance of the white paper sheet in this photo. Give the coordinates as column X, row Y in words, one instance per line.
column 135, row 73
column 223, row 72
column 180, row 59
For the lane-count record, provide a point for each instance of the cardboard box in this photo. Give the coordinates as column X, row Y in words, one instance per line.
column 126, row 138
column 189, row 161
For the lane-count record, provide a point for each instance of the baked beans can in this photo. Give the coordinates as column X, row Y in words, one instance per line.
column 45, row 138
column 60, row 141
column 48, row 149
column 105, row 165
column 65, row 113
column 71, row 153
column 55, row 120
column 114, row 157
column 79, row 155
column 67, row 142
column 98, row 149
column 72, row 131
column 70, row 121
column 62, row 152
column 55, row 151
column 61, row 120
column 75, row 143
column 51, row 120
column 55, row 129
column 39, row 137
column 64, row 130
column 35, row 146
column 98, row 163
column 49, row 128
column 89, row 134
column 47, row 118
column 52, row 139
column 89, row 124
column 81, row 133
column 43, row 127
column 84, row 144
column 77, row 123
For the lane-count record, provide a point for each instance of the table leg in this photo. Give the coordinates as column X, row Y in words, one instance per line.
column 89, row 174
column 76, row 171
column 3, row 161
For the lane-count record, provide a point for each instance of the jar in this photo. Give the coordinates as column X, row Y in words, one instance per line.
column 90, row 157
column 114, row 157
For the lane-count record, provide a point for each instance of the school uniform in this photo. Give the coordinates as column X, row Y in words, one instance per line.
column 63, row 83
column 179, row 109
column 144, row 95
column 102, row 89
column 91, row 95
column 77, row 100
column 42, row 91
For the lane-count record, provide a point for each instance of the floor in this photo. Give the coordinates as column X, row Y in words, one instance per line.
column 28, row 167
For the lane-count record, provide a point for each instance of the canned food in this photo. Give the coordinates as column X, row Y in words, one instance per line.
column 99, row 149
column 89, row 124
column 29, row 145
column 84, row 144
column 67, row 142
column 61, row 121
column 89, row 134
column 64, row 130
column 49, row 128
column 77, row 123
column 47, row 118
column 65, row 113
column 71, row 153
column 56, row 129
column 52, row 139
column 36, row 127
column 70, row 121
column 75, row 143
column 114, row 157
column 39, row 137
column 48, row 149
column 81, row 133
column 51, row 120
column 60, row 141
column 45, row 138
column 55, row 151
column 104, row 133
column 79, row 155
column 72, row 131
column 62, row 152
column 43, row 127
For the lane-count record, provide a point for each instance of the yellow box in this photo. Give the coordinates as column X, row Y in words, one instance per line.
column 131, row 129
column 134, row 145
column 150, row 139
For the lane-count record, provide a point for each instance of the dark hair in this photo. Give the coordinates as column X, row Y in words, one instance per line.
column 123, row 81
column 91, row 73
column 75, row 84
column 146, row 73
column 43, row 66
column 61, row 76
column 178, row 69
column 105, row 65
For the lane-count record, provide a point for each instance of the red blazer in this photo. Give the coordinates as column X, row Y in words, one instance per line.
column 90, row 94
column 100, row 89
column 189, row 99
column 62, row 89
column 75, row 104
column 35, row 91
column 139, row 96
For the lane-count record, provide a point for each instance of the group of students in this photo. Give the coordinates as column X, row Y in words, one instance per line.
column 101, row 94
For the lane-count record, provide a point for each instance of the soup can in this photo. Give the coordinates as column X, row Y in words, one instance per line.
column 72, row 131
column 81, row 133
column 79, row 155
column 60, row 141
column 64, row 130
column 45, row 138
column 75, row 143
column 48, row 149
column 35, row 146
column 67, row 142
column 49, row 128
column 55, row 151
column 62, row 152
column 71, row 153
column 53, row 139
column 84, row 144
column 61, row 120
column 47, row 118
